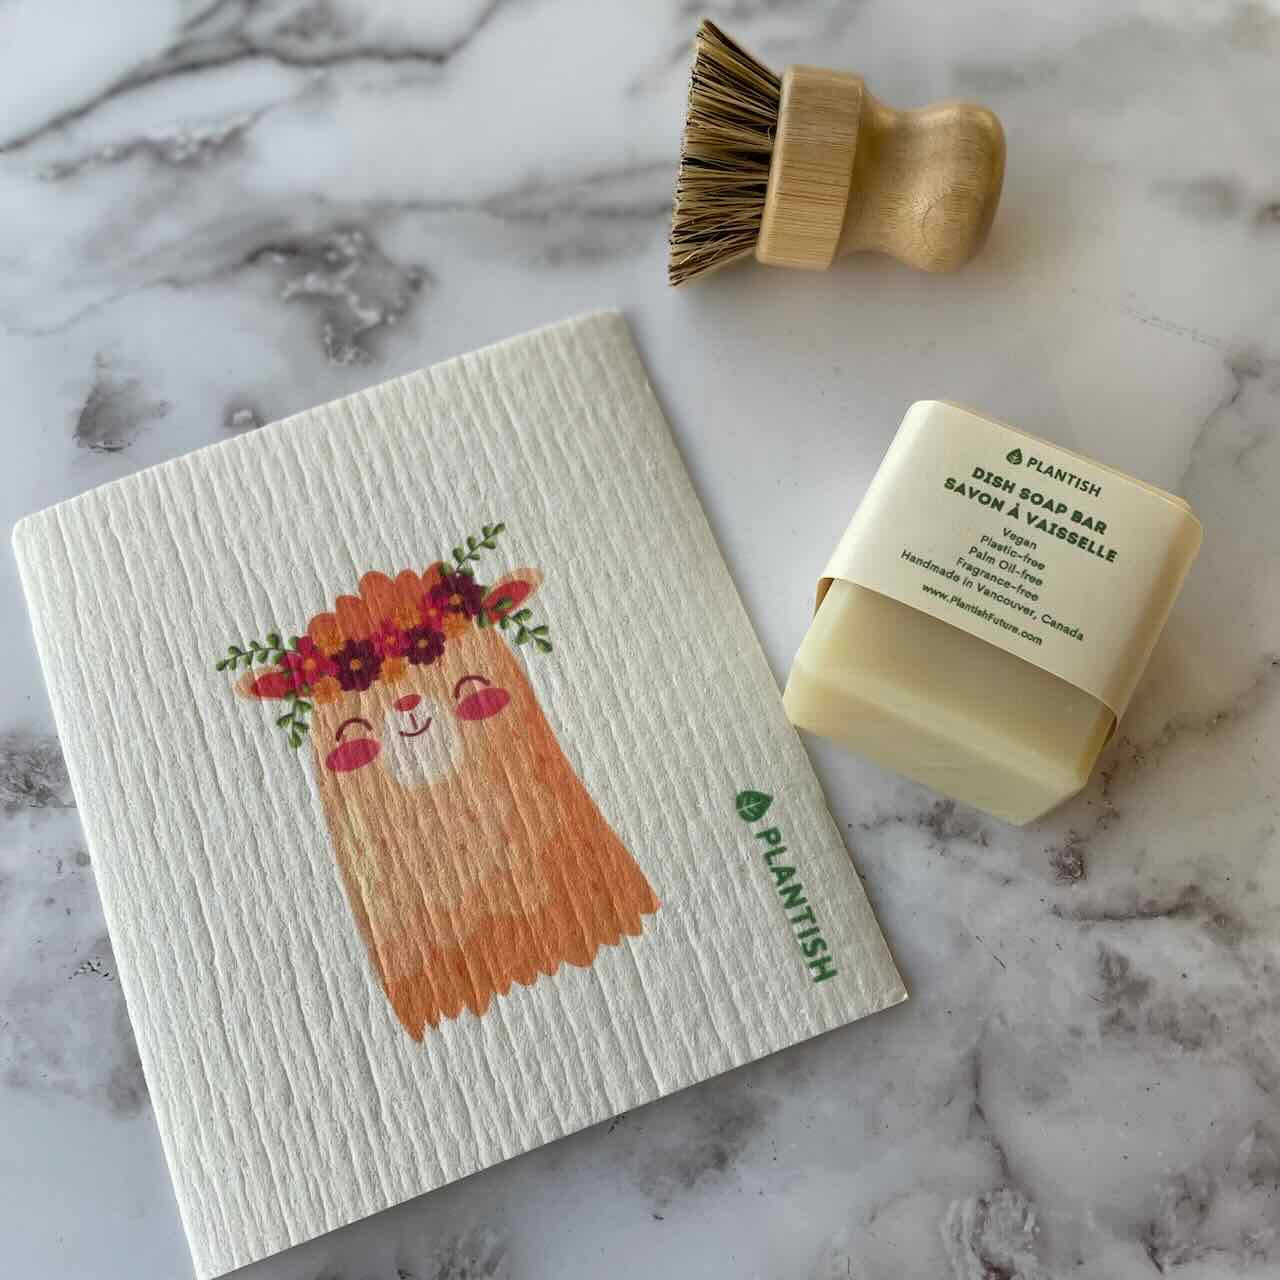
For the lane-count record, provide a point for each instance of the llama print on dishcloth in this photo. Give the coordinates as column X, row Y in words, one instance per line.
column 471, row 854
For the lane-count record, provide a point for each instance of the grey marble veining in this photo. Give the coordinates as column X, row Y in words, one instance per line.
column 220, row 212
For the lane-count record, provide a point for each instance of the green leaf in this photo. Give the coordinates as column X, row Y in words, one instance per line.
column 752, row 805
column 301, row 705
column 524, row 615
column 499, row 528
column 457, row 554
column 285, row 719
column 523, row 637
column 544, row 645
column 471, row 543
column 295, row 740
column 273, row 639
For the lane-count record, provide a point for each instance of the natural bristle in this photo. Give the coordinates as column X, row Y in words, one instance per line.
column 724, row 158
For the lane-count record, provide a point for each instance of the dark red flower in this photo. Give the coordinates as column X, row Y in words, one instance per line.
column 425, row 645
column 458, row 593
column 357, row 664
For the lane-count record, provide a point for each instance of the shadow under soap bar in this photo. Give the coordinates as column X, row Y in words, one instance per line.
column 987, row 614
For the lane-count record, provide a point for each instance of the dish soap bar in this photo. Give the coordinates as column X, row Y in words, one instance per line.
column 989, row 611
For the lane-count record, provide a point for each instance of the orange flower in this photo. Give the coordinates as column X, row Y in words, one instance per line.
column 327, row 634
column 454, row 624
column 405, row 616
column 392, row 670
column 326, row 689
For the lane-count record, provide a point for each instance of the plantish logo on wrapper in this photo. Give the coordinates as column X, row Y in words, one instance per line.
column 1053, row 471
column 471, row 853
column 751, row 807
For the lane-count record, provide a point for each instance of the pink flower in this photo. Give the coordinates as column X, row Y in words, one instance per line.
column 307, row 665
column 430, row 614
column 389, row 641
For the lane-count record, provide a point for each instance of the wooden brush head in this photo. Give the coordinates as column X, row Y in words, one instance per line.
column 810, row 166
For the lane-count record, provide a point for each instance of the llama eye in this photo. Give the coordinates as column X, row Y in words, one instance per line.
column 466, row 680
column 346, row 724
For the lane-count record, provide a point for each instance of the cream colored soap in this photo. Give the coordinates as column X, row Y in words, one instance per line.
column 983, row 622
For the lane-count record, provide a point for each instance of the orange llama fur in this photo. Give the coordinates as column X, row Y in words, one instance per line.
column 471, row 854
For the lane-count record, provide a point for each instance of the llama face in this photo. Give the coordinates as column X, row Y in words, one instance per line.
column 420, row 730
column 412, row 736
column 423, row 742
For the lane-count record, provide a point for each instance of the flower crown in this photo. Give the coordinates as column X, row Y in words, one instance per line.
column 394, row 624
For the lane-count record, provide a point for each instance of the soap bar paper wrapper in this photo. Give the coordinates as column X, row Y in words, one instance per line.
column 1059, row 560
column 440, row 798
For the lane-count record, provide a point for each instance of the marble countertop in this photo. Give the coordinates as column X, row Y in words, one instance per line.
column 221, row 211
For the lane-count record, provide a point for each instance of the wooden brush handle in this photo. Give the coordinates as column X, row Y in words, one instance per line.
column 850, row 173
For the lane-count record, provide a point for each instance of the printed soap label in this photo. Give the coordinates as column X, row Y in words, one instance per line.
column 1059, row 560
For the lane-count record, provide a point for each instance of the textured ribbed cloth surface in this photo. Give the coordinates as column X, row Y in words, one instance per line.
column 249, row 918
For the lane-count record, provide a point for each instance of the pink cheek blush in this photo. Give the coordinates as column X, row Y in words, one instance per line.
column 482, row 704
column 352, row 755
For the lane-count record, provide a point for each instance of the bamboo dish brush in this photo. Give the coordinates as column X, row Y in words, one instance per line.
column 805, row 167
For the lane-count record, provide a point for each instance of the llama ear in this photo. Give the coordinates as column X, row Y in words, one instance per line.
column 511, row 591
column 266, row 683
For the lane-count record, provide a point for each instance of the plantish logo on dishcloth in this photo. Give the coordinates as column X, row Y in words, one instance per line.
column 752, row 807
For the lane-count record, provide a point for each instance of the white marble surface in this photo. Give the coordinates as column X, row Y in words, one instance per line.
column 218, row 212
